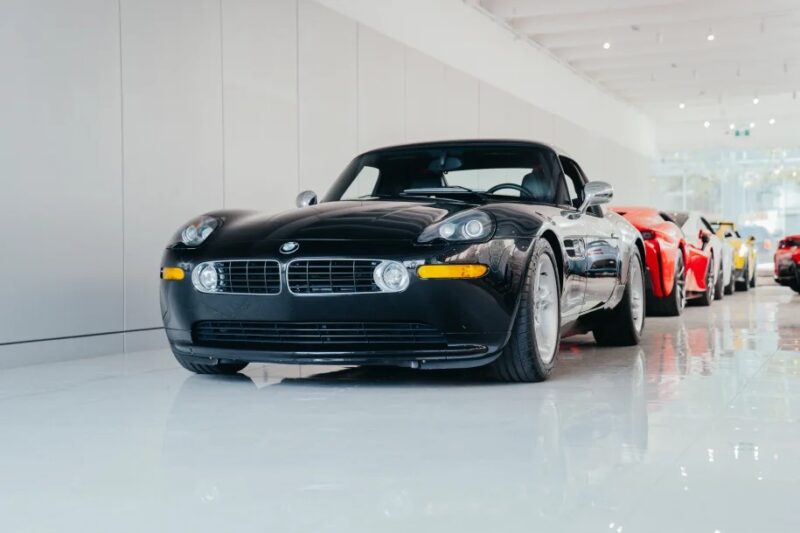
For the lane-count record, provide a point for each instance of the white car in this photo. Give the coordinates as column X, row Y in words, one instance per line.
column 698, row 229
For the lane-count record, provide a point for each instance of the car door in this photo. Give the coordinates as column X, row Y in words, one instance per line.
column 593, row 241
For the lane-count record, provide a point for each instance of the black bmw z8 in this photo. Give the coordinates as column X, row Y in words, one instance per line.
column 434, row 255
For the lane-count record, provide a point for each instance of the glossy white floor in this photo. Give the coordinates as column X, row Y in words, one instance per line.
column 697, row 430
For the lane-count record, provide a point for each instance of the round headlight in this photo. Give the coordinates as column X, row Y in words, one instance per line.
column 447, row 230
column 205, row 278
column 391, row 276
column 473, row 229
column 198, row 231
column 471, row 225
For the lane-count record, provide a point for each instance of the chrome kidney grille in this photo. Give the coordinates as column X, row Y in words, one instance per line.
column 331, row 276
column 249, row 276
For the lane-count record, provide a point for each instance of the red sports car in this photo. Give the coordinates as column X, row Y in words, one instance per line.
column 787, row 262
column 679, row 268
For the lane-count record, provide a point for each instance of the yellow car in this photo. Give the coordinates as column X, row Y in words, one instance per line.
column 744, row 254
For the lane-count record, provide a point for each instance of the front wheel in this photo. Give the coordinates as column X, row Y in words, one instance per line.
column 708, row 296
column 744, row 284
column 209, row 368
column 530, row 354
column 672, row 304
column 622, row 326
column 719, row 285
column 729, row 288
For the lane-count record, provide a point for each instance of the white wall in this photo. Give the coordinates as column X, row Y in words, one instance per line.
column 121, row 122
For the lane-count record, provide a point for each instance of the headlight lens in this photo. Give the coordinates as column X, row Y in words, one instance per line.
column 198, row 231
column 466, row 226
column 205, row 278
column 391, row 276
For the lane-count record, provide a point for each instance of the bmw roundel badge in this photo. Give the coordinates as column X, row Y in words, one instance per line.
column 289, row 247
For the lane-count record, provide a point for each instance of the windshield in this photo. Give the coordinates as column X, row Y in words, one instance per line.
column 679, row 217
column 527, row 172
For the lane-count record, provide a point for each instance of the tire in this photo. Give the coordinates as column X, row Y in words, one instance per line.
column 753, row 279
column 705, row 299
column 729, row 288
column 744, row 284
column 673, row 304
column 532, row 350
column 719, row 288
column 623, row 325
column 203, row 368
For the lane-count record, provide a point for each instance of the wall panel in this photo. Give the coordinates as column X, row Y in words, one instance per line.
column 328, row 104
column 460, row 106
column 60, row 169
column 172, row 112
column 381, row 90
column 425, row 116
column 259, row 69
column 503, row 116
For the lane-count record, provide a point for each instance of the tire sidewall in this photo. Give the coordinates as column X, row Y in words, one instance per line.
column 635, row 256
column 542, row 250
column 679, row 299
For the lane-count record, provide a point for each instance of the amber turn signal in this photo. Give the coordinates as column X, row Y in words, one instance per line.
column 452, row 271
column 172, row 273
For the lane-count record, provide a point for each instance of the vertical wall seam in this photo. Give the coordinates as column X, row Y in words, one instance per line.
column 297, row 90
column 222, row 95
column 358, row 87
column 479, row 107
column 122, row 174
column 405, row 93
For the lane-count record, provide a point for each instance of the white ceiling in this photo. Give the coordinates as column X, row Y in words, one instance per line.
column 660, row 55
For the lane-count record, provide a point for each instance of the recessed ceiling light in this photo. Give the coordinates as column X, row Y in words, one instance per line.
column 710, row 37
column 752, row 125
column 681, row 105
column 606, row 45
column 706, row 124
column 756, row 100
column 732, row 126
column 771, row 121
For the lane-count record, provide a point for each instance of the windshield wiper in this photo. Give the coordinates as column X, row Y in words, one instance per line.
column 450, row 189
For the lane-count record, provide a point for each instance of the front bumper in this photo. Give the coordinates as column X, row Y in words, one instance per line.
column 787, row 274
column 474, row 316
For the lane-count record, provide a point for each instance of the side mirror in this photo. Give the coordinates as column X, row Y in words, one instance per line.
column 751, row 238
column 306, row 198
column 596, row 193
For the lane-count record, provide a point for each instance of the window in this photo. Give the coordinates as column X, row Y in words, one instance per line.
column 574, row 199
column 485, row 178
column 363, row 184
column 532, row 171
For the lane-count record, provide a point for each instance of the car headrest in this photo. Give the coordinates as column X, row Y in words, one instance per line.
column 539, row 186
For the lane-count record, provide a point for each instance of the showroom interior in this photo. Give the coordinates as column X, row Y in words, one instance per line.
column 123, row 121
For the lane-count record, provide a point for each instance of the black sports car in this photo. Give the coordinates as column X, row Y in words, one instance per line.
column 433, row 255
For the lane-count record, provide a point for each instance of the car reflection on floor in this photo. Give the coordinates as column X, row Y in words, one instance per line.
column 380, row 439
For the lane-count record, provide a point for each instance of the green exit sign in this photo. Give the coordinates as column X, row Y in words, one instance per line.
column 743, row 133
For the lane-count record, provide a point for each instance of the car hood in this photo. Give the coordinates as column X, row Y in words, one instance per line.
column 345, row 220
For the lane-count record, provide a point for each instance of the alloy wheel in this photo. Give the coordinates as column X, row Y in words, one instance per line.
column 545, row 309
column 710, row 280
column 636, row 284
column 681, row 282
